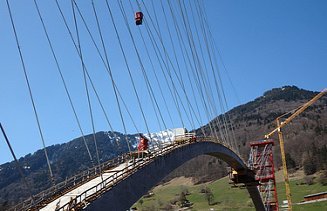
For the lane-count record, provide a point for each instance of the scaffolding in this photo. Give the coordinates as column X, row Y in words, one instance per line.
column 262, row 163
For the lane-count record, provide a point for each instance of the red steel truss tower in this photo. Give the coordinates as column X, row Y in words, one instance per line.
column 262, row 163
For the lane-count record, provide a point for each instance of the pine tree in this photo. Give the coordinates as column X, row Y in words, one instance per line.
column 309, row 164
column 290, row 162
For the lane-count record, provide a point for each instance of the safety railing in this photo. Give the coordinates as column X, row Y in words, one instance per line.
column 43, row 198
column 108, row 182
column 64, row 186
column 184, row 137
column 91, row 193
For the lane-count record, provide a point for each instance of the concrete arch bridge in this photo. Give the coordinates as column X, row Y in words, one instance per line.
column 123, row 181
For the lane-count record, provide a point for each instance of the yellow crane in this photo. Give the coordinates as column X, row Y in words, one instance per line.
column 280, row 125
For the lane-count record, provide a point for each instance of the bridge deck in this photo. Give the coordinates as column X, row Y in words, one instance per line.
column 113, row 174
column 99, row 184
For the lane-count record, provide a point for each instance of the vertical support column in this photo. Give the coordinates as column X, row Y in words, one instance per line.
column 262, row 163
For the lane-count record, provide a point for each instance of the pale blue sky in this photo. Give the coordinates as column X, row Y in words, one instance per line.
column 264, row 44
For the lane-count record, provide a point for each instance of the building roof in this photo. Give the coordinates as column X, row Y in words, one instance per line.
column 315, row 194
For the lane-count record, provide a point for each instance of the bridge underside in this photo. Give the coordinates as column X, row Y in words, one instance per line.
column 123, row 195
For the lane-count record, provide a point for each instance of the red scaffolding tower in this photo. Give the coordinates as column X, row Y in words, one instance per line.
column 262, row 163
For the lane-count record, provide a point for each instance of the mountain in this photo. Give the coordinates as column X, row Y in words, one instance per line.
column 305, row 143
column 66, row 160
column 306, row 132
column 305, row 137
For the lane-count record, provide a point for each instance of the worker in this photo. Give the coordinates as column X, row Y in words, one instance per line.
column 143, row 144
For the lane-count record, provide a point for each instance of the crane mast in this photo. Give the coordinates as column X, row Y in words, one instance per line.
column 280, row 125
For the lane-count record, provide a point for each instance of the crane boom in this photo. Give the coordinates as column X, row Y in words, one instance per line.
column 297, row 112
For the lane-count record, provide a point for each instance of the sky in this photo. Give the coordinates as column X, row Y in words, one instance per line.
column 259, row 45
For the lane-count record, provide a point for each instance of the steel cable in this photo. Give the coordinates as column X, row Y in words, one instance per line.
column 62, row 78
column 31, row 94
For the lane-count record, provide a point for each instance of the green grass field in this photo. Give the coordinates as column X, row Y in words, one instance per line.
column 226, row 197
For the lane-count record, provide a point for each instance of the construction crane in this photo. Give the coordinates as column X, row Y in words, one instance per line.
column 280, row 125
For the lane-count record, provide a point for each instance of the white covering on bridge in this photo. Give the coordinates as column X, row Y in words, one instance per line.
column 88, row 185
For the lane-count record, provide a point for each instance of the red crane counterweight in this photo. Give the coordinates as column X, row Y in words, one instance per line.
column 138, row 18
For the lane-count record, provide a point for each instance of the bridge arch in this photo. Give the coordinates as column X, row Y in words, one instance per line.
column 123, row 195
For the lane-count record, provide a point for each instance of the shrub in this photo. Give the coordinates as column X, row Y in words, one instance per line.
column 309, row 166
column 185, row 190
column 208, row 195
column 168, row 207
column 323, row 178
column 308, row 180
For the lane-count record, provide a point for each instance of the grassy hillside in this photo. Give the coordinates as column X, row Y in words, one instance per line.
column 225, row 197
